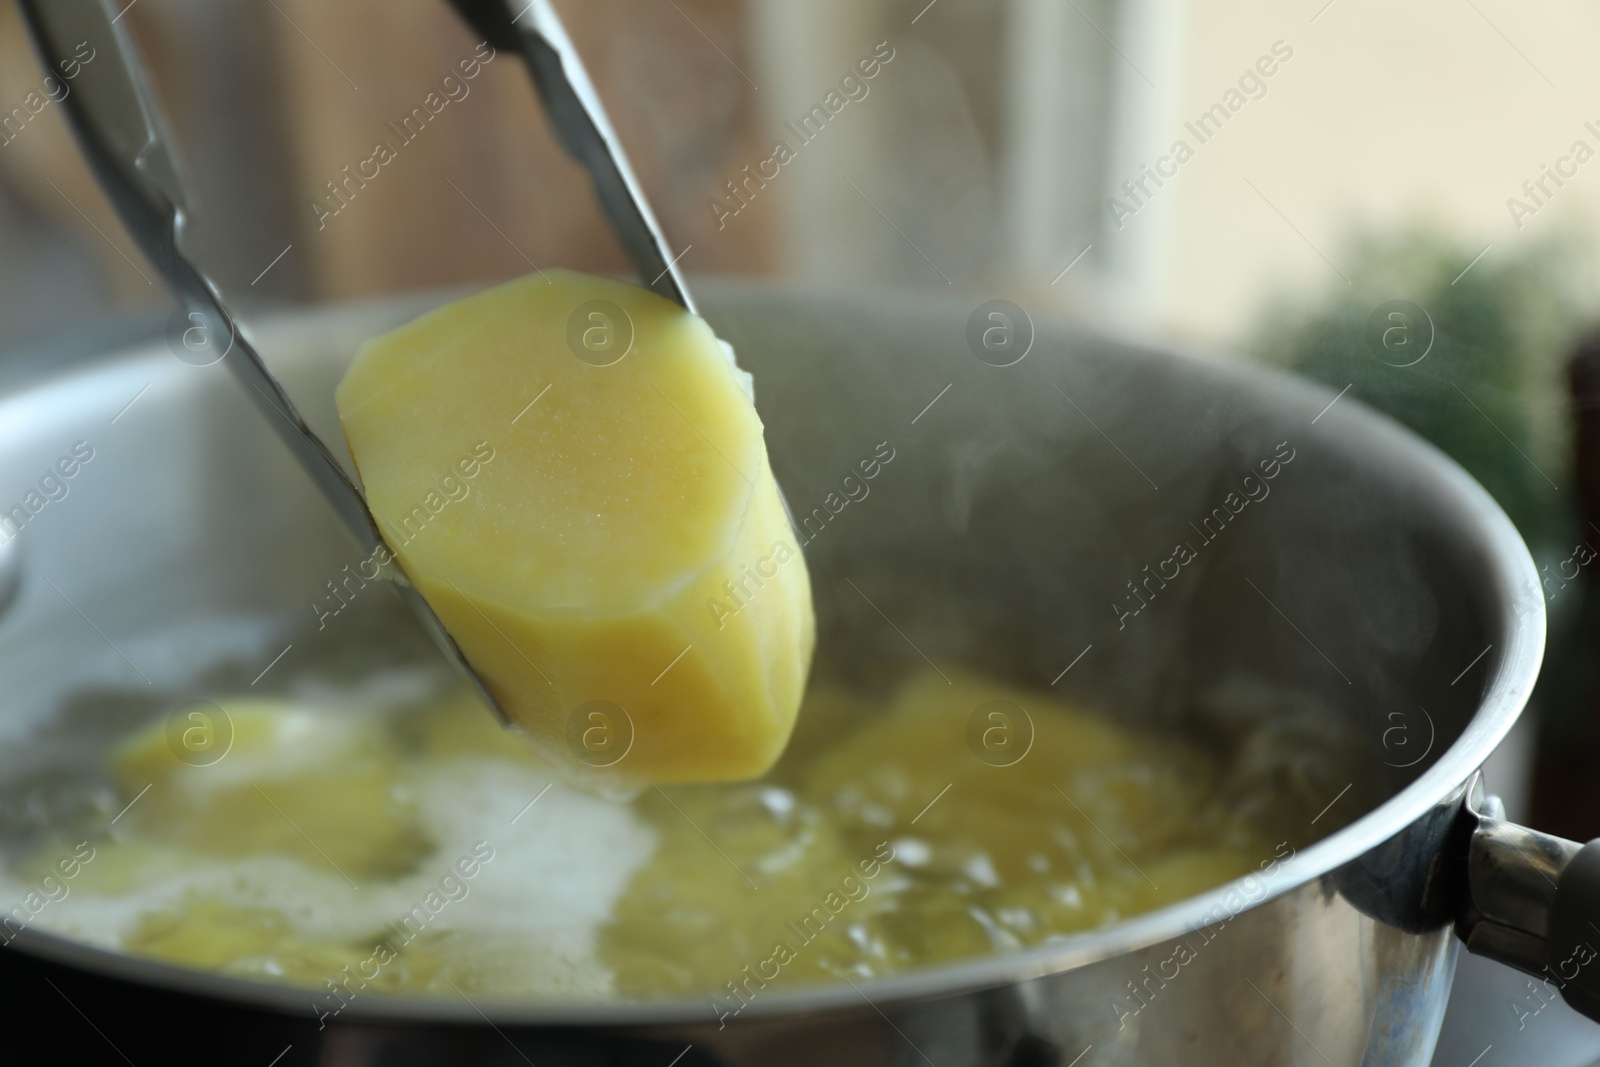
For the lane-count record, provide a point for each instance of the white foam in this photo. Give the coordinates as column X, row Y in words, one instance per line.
column 532, row 915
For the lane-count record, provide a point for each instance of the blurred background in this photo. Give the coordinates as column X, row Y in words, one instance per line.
column 1396, row 200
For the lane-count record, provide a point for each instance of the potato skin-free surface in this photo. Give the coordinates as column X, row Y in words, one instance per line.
column 598, row 527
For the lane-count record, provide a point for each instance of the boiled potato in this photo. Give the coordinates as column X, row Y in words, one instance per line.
column 571, row 472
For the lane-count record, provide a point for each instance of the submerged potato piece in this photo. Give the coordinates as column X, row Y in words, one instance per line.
column 289, row 780
column 595, row 523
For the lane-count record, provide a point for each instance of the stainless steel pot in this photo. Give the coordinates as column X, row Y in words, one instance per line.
column 1373, row 615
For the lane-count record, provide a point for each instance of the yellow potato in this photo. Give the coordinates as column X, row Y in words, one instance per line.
column 293, row 781
column 571, row 471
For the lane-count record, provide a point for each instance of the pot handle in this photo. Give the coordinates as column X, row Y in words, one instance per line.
column 1533, row 902
column 1575, row 930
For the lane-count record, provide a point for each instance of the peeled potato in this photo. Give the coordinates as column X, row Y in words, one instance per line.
column 284, row 780
column 571, row 472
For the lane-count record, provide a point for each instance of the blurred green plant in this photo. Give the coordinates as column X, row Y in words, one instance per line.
column 1491, row 391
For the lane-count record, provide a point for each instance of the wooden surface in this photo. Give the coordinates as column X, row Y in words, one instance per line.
column 272, row 99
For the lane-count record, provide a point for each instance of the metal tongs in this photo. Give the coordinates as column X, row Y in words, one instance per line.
column 120, row 129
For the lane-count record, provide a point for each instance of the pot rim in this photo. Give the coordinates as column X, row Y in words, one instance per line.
column 1357, row 429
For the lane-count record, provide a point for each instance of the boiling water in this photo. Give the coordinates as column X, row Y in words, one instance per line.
column 355, row 839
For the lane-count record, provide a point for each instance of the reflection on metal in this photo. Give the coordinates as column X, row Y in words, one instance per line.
column 10, row 569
